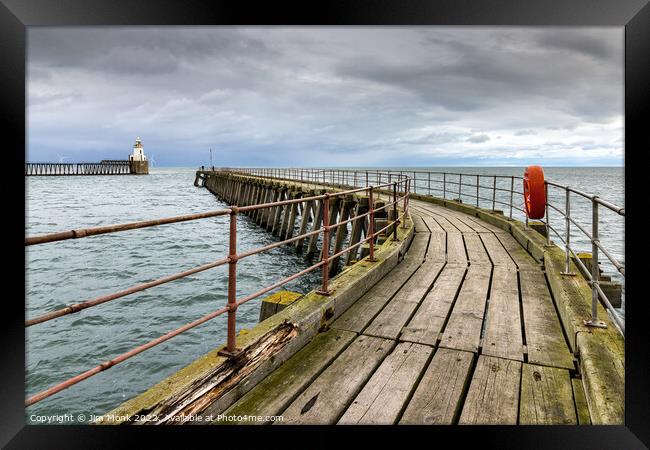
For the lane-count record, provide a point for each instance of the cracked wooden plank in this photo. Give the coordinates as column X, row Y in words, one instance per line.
column 544, row 337
column 498, row 254
column 430, row 317
column 463, row 331
column 361, row 313
column 272, row 395
column 503, row 327
column 546, row 396
column 393, row 317
column 436, row 400
column 522, row 258
column 383, row 397
column 475, row 249
column 325, row 400
column 456, row 249
column 493, row 395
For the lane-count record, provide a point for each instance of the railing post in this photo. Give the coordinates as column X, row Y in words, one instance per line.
column 548, row 219
column 494, row 192
column 595, row 273
column 567, row 238
column 326, row 245
column 460, row 188
column 477, row 191
column 444, row 185
column 429, row 185
column 371, row 225
column 231, row 349
column 512, row 192
column 407, row 190
column 395, row 211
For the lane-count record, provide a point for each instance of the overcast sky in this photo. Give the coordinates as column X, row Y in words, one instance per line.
column 325, row 96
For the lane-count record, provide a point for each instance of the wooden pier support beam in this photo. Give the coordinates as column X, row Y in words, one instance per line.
column 305, row 218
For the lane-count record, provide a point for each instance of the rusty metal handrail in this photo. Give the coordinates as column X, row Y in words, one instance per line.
column 231, row 260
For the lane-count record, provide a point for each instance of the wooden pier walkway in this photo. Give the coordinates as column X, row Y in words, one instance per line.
column 462, row 331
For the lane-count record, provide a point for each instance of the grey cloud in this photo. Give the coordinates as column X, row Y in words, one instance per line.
column 583, row 42
column 525, row 132
column 306, row 93
column 478, row 138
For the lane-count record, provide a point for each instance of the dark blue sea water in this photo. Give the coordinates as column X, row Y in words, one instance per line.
column 62, row 273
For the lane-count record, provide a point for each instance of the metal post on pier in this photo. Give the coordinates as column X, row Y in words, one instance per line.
column 407, row 190
column 477, row 187
column 494, row 192
column 512, row 192
column 548, row 219
column 567, row 237
column 444, row 184
column 395, row 211
column 231, row 349
column 595, row 275
column 460, row 188
column 371, row 225
column 326, row 245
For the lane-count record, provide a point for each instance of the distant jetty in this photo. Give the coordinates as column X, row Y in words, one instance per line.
column 136, row 164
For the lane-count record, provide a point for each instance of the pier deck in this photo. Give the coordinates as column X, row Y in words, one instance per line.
column 463, row 330
column 462, row 316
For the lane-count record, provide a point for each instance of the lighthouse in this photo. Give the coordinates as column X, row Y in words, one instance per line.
column 138, row 160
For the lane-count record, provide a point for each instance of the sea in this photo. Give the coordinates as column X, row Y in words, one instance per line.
column 62, row 273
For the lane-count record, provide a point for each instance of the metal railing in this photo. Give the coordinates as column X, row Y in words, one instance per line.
column 488, row 192
column 390, row 187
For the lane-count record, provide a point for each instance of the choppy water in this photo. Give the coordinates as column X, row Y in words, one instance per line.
column 62, row 273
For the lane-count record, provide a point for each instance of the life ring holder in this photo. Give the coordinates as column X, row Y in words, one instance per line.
column 534, row 192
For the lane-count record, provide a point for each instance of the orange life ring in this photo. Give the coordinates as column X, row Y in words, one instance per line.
column 534, row 192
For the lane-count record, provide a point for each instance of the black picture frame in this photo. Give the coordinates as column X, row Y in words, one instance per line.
column 634, row 15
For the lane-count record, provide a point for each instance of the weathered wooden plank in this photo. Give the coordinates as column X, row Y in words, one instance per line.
column 361, row 313
column 544, row 337
column 437, row 247
column 503, row 322
column 486, row 225
column 458, row 223
column 446, row 224
column 324, row 401
column 493, row 395
column 497, row 253
column 430, row 222
column 391, row 319
column 436, row 400
column 546, row 396
column 384, row 395
column 463, row 330
column 430, row 317
column 417, row 251
column 582, row 408
column 475, row 249
column 522, row 258
column 418, row 223
column 272, row 395
column 456, row 249
column 433, row 225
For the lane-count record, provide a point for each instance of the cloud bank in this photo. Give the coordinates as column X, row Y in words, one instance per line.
column 327, row 96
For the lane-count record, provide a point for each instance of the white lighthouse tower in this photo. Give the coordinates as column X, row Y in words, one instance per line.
column 138, row 161
column 138, row 151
